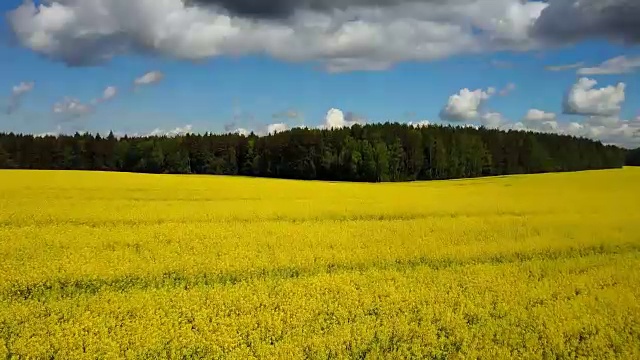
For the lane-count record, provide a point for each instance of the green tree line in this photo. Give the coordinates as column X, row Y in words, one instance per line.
column 373, row 153
column 633, row 157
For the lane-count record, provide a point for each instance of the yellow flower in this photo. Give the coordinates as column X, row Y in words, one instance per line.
column 112, row 266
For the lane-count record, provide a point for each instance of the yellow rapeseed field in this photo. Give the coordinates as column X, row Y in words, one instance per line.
column 113, row 265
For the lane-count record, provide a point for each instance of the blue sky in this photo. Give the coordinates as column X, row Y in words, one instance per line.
column 208, row 92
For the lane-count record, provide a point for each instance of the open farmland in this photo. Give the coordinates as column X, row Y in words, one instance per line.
column 115, row 265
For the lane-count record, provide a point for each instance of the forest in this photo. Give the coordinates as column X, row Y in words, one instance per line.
column 369, row 153
column 633, row 157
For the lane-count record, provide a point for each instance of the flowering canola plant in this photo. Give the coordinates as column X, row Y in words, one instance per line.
column 114, row 265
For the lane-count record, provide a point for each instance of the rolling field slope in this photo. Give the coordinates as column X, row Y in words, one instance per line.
column 116, row 265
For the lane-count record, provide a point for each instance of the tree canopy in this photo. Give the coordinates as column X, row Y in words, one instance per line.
column 373, row 153
column 633, row 157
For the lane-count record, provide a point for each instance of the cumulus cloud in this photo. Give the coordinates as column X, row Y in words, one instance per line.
column 617, row 65
column 493, row 120
column 181, row 130
column 17, row 93
column 539, row 120
column 557, row 68
column 584, row 99
column 109, row 93
column 535, row 120
column 71, row 108
column 465, row 105
column 419, row 124
column 150, row 78
column 241, row 131
column 574, row 128
column 342, row 35
column 535, row 115
column 606, row 121
column 610, row 131
column 336, row 119
column 565, row 21
column 276, row 128
column 54, row 133
column 607, row 129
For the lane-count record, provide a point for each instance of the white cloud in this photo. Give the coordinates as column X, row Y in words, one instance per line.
column 617, row 65
column 367, row 37
column 419, row 124
column 276, row 128
column 538, row 120
column 57, row 132
column 187, row 129
column 335, row 119
column 583, row 99
column 548, row 126
column 156, row 132
column 607, row 121
column 109, row 93
column 508, row 89
column 557, row 68
column 574, row 128
column 241, row 131
column 518, row 126
column 341, row 35
column 611, row 131
column 180, row 130
column 535, row 115
column 465, row 105
column 493, row 120
column 71, row 108
column 121, row 134
column 17, row 93
column 149, row 78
